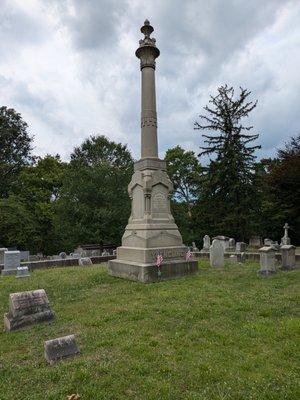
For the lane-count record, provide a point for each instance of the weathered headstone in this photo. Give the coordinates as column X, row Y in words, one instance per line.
column 114, row 252
column 240, row 247
column 231, row 243
column 288, row 256
column 27, row 308
column 224, row 240
column 85, row 261
column 285, row 240
column 267, row 261
column 255, row 241
column 57, row 349
column 216, row 255
column 241, row 257
column 194, row 247
column 206, row 243
column 22, row 272
column 2, row 251
column 24, row 255
column 105, row 253
column 11, row 262
column 62, row 255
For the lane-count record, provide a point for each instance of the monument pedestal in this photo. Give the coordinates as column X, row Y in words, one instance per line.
column 147, row 272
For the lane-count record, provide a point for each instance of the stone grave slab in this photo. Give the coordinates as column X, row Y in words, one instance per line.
column 27, row 308
column 57, row 349
column 85, row 261
column 22, row 272
column 12, row 260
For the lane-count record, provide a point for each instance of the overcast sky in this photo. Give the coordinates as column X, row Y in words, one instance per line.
column 68, row 66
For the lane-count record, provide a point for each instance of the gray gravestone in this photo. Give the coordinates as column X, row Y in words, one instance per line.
column 285, row 240
column 255, row 241
column 27, row 308
column 206, row 243
column 267, row 261
column 85, row 261
column 2, row 251
column 62, row 255
column 24, row 255
column 57, row 349
column 194, row 247
column 216, row 255
column 22, row 272
column 105, row 253
column 231, row 244
column 11, row 262
column 288, row 256
column 240, row 247
column 224, row 240
column 241, row 257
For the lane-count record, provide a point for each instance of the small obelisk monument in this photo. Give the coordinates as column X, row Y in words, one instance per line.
column 151, row 230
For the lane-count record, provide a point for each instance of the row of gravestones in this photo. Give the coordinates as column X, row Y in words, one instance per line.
column 33, row 307
column 267, row 257
column 12, row 263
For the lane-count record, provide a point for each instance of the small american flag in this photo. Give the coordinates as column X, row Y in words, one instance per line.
column 159, row 260
column 188, row 255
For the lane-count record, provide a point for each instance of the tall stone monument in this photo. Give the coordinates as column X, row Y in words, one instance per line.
column 151, row 230
column 285, row 240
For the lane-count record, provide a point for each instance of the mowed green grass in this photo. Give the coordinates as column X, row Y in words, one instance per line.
column 223, row 334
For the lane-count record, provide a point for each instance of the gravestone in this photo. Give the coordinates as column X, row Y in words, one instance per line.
column 224, row 240
column 255, row 242
column 114, row 252
column 231, row 243
column 194, row 247
column 240, row 247
column 267, row 261
column 27, row 308
column 22, row 272
column 85, row 261
column 2, row 251
column 105, row 253
column 206, row 243
column 285, row 240
column 216, row 255
column 62, row 255
column 288, row 256
column 11, row 262
column 57, row 349
column 241, row 257
column 24, row 255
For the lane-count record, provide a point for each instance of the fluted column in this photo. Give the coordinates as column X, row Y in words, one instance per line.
column 147, row 53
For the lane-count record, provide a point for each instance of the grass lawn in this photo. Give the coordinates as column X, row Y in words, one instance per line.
column 223, row 334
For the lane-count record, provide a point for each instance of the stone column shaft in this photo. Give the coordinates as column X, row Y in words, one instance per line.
column 149, row 148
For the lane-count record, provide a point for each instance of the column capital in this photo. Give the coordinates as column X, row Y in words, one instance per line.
column 147, row 51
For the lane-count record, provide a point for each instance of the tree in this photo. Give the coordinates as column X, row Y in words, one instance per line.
column 15, row 149
column 94, row 205
column 27, row 214
column 185, row 172
column 281, row 191
column 228, row 190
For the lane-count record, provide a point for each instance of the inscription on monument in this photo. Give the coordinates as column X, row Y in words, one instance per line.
column 159, row 201
column 169, row 253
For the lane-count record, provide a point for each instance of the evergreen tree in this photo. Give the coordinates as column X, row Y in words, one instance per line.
column 228, row 194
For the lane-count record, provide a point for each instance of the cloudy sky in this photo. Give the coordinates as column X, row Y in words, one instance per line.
column 68, row 66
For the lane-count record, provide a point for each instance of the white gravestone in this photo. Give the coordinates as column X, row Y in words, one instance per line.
column 224, row 240
column 206, row 243
column 11, row 262
column 83, row 261
column 22, row 272
column 267, row 261
column 216, row 254
column 231, row 244
column 288, row 256
column 240, row 247
column 2, row 251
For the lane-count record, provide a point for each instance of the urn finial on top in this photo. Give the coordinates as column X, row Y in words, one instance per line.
column 147, row 52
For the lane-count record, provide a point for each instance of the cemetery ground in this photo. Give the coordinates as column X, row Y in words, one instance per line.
column 222, row 334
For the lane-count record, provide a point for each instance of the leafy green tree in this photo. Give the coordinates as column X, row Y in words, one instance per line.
column 94, row 205
column 27, row 214
column 15, row 149
column 280, row 188
column 185, row 172
column 228, row 196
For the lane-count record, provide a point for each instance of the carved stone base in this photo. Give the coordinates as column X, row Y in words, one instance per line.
column 148, row 272
column 13, row 323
